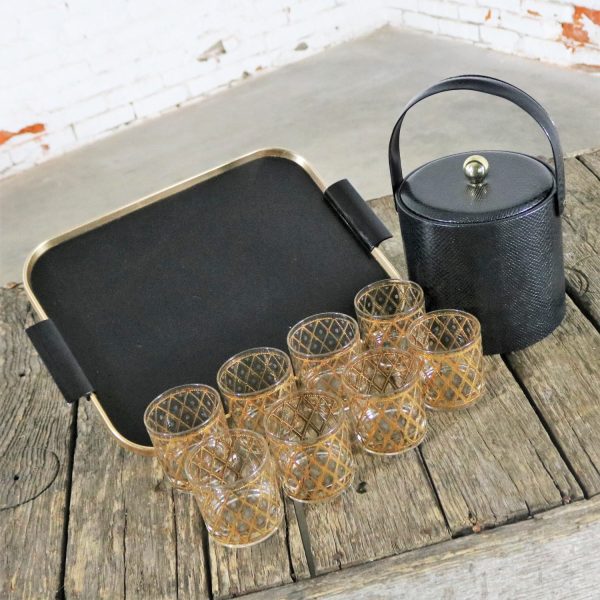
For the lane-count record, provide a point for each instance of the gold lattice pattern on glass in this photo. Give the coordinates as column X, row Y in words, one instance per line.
column 253, row 380
column 234, row 482
column 386, row 309
column 309, row 438
column 384, row 392
column 448, row 343
column 179, row 418
column 321, row 346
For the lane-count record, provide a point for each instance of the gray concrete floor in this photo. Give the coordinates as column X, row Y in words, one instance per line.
column 336, row 108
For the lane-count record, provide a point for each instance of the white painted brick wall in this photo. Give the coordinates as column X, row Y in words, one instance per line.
column 73, row 71
column 563, row 32
column 80, row 69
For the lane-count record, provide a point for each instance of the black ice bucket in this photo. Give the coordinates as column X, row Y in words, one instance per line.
column 482, row 230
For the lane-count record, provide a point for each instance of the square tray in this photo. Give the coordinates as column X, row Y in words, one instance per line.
column 162, row 291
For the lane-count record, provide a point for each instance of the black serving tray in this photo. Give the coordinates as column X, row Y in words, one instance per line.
column 161, row 292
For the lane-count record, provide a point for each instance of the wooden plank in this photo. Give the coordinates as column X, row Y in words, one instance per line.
column 35, row 441
column 192, row 575
column 494, row 462
column 298, row 558
column 234, row 572
column 562, row 376
column 390, row 508
column 548, row 556
column 582, row 233
column 592, row 161
column 142, row 539
column 122, row 540
column 239, row 571
column 562, row 373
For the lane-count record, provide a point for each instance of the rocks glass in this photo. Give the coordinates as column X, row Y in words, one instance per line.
column 321, row 346
column 253, row 380
column 448, row 344
column 383, row 389
column 309, row 438
column 179, row 418
column 386, row 309
column 235, row 485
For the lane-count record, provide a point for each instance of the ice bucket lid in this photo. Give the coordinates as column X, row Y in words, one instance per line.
column 477, row 187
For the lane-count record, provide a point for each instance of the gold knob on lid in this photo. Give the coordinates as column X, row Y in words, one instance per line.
column 475, row 168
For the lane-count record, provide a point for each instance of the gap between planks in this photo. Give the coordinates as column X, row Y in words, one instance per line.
column 540, row 557
column 180, row 578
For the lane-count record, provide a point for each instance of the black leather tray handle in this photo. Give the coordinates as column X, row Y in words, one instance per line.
column 59, row 360
column 356, row 214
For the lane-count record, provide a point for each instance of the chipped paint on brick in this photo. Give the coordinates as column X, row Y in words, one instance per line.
column 7, row 135
column 488, row 16
column 533, row 13
column 584, row 29
column 581, row 11
column 574, row 32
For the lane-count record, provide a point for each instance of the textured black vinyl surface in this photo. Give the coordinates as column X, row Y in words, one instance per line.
column 440, row 191
column 164, row 295
column 509, row 273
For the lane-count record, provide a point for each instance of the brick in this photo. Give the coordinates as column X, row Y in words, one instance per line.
column 134, row 91
column 157, row 102
column 299, row 11
column 35, row 67
column 531, row 26
column 63, row 139
column 104, row 122
column 199, row 86
column 465, row 31
column 77, row 112
column 499, row 39
column 476, row 14
column 549, row 10
column 191, row 69
column 411, row 5
column 550, row 51
column 66, row 76
column 29, row 152
column 513, row 5
column 439, row 8
column 6, row 162
column 419, row 21
column 586, row 56
column 116, row 58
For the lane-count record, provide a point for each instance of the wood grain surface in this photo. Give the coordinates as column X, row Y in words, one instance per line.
column 562, row 376
column 492, row 463
column 35, row 446
column 581, row 233
column 390, row 508
column 132, row 536
column 547, row 557
column 82, row 518
column 122, row 541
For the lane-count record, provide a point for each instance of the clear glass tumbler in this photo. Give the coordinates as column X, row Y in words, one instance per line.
column 309, row 438
column 235, row 485
column 448, row 344
column 179, row 418
column 321, row 346
column 384, row 391
column 386, row 309
column 253, row 380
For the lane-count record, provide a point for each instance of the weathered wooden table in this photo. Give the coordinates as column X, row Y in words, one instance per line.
column 497, row 502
